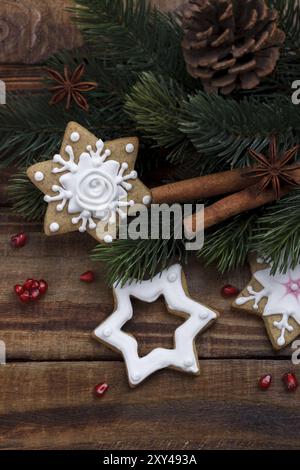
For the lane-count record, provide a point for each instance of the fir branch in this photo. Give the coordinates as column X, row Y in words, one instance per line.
column 222, row 130
column 277, row 233
column 30, row 128
column 227, row 245
column 129, row 260
column 26, row 199
column 135, row 35
column 154, row 105
column 289, row 19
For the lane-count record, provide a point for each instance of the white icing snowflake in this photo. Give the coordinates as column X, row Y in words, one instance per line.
column 95, row 187
column 282, row 292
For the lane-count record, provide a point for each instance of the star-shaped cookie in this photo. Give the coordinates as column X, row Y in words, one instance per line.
column 90, row 185
column 275, row 298
column 171, row 284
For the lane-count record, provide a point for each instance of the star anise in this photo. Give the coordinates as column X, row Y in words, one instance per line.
column 274, row 170
column 70, row 87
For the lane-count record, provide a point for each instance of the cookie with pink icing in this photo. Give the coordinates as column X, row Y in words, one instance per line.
column 275, row 298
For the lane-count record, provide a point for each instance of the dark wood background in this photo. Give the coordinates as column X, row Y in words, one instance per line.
column 46, row 388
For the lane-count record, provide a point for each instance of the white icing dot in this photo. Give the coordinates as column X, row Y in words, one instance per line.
column 203, row 315
column 108, row 239
column 294, row 287
column 188, row 362
column 146, row 199
column 129, row 148
column 39, row 176
column 281, row 341
column 54, row 227
column 172, row 277
column 108, row 152
column 260, row 260
column 75, row 136
column 107, row 332
column 135, row 377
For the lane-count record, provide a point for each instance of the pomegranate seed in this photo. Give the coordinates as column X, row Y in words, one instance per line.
column 28, row 284
column 18, row 240
column 229, row 291
column 19, row 289
column 25, row 297
column 101, row 389
column 35, row 285
column 265, row 382
column 290, row 381
column 88, row 276
column 43, row 286
column 34, row 294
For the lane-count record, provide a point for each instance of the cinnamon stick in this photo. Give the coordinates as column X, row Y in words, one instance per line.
column 202, row 187
column 209, row 186
column 230, row 206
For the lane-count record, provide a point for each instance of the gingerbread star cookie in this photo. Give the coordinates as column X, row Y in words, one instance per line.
column 171, row 284
column 90, row 184
column 275, row 298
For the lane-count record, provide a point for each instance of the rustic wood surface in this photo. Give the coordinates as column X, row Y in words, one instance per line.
column 51, row 405
column 30, row 30
column 53, row 363
column 59, row 326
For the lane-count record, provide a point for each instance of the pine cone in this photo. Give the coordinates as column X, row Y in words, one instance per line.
column 230, row 44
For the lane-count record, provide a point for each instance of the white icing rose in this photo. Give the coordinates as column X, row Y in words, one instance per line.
column 95, row 190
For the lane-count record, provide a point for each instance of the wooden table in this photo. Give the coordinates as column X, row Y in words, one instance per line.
column 53, row 363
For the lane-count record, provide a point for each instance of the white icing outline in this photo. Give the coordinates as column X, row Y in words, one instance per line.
column 282, row 298
column 92, row 188
column 183, row 355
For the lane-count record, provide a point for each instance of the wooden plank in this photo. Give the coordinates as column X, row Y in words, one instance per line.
column 31, row 30
column 60, row 325
column 51, row 406
column 18, row 77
